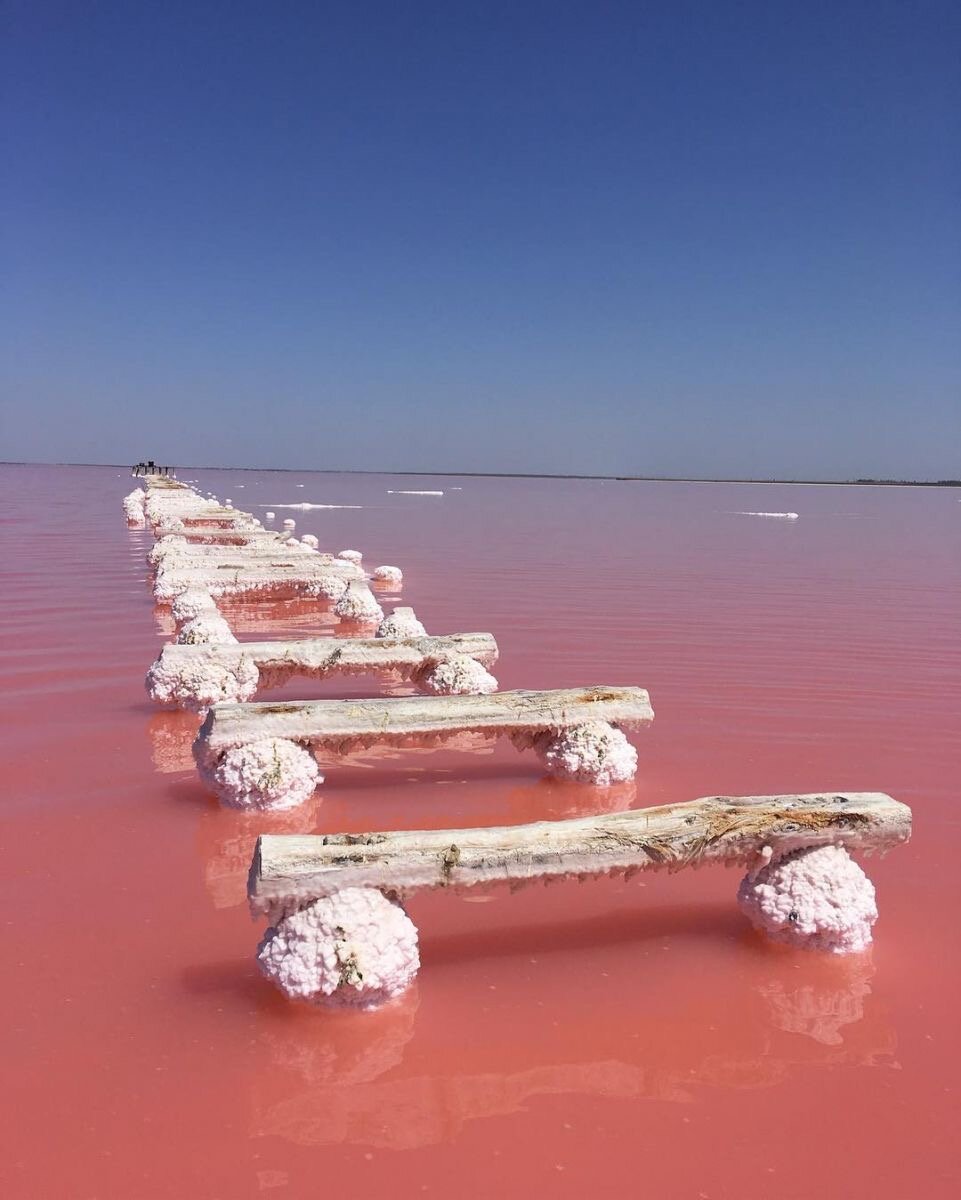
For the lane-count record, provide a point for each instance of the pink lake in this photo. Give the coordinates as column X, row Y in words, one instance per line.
column 608, row 1038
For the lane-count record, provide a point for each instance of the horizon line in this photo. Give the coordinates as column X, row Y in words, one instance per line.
column 861, row 482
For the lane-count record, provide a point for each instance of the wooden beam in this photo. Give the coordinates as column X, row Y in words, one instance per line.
column 396, row 720
column 290, row 870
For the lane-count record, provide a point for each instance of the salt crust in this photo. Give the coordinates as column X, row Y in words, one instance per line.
column 388, row 574
column 309, row 540
column 133, row 506
column 207, row 627
column 203, row 681
column 331, row 587
column 400, row 625
column 591, row 753
column 818, row 899
column 353, row 949
column 190, row 604
column 271, row 774
column 353, row 556
column 456, row 675
column 356, row 605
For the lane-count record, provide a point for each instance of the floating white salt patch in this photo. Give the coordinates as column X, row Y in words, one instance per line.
column 306, row 507
column 270, row 515
column 300, row 485
column 399, row 492
column 289, row 523
column 777, row 516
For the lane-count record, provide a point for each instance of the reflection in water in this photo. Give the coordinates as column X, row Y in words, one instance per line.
column 171, row 738
column 322, row 1079
column 820, row 1008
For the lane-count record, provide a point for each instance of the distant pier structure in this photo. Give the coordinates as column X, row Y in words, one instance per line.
column 150, row 468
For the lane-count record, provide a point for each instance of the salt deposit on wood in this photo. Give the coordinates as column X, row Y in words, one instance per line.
column 301, row 575
column 339, row 726
column 182, row 673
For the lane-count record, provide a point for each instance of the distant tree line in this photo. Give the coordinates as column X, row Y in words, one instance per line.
column 914, row 482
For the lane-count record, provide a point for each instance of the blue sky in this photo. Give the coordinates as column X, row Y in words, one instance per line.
column 670, row 239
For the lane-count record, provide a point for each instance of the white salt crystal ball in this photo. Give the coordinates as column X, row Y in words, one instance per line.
column 270, row 774
column 818, row 899
column 207, row 627
column 400, row 625
column 358, row 605
column 457, row 675
column 203, row 681
column 354, row 948
column 190, row 604
column 591, row 753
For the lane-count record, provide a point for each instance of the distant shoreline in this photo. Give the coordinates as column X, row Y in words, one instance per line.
column 945, row 483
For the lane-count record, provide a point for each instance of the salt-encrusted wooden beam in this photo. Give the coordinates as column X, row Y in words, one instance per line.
column 261, row 551
column 195, row 676
column 290, row 870
column 298, row 575
column 215, row 515
column 333, row 724
column 200, row 534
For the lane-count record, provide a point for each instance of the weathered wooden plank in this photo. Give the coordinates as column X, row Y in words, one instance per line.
column 396, row 720
column 289, row 870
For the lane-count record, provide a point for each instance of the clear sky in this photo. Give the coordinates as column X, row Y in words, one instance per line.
column 683, row 238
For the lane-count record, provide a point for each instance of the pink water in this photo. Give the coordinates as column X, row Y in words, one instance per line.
column 605, row 1038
